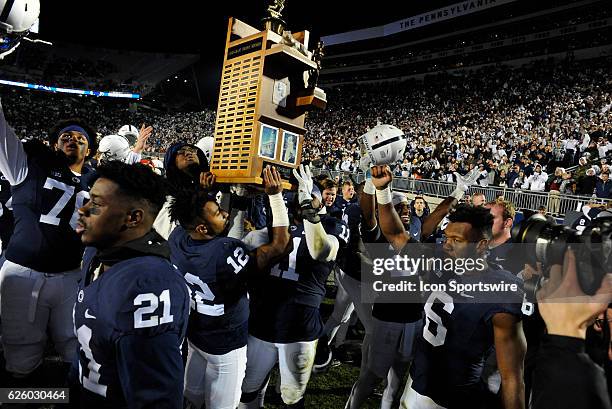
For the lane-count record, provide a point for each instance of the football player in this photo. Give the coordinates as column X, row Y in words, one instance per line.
column 347, row 198
column 285, row 321
column 394, row 324
column 381, row 144
column 39, row 279
column 186, row 166
column 351, row 295
column 216, row 269
column 460, row 329
column 132, row 307
column 118, row 147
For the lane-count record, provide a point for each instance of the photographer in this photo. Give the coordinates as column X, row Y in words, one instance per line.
column 568, row 311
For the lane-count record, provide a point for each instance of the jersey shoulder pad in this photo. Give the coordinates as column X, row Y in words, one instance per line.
column 233, row 255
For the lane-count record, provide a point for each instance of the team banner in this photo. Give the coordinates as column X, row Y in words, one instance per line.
column 444, row 13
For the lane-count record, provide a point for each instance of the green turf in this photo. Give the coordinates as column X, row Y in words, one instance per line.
column 326, row 391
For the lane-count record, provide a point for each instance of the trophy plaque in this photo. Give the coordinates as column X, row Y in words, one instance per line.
column 266, row 89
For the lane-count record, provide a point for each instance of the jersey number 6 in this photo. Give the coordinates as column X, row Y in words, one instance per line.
column 432, row 319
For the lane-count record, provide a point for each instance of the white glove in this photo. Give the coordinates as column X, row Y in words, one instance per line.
column 464, row 182
column 305, row 183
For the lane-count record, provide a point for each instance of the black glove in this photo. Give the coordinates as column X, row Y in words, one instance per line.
column 309, row 212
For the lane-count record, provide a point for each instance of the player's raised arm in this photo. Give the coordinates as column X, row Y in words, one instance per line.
column 269, row 253
column 13, row 159
column 433, row 220
column 390, row 222
column 367, row 198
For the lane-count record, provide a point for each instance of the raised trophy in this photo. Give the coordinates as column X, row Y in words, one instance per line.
column 268, row 83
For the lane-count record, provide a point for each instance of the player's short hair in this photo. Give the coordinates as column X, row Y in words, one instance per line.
column 186, row 206
column 328, row 184
column 347, row 182
column 508, row 207
column 137, row 182
column 480, row 218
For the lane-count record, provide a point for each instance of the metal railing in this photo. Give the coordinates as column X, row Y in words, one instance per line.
column 556, row 204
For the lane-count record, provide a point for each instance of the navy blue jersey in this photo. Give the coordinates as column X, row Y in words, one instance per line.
column 45, row 210
column 398, row 307
column 6, row 214
column 341, row 204
column 584, row 220
column 350, row 260
column 506, row 257
column 457, row 337
column 130, row 323
column 285, row 302
column 215, row 271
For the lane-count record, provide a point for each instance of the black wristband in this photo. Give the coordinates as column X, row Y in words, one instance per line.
column 310, row 213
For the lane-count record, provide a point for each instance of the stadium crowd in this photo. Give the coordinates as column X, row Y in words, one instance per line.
column 503, row 121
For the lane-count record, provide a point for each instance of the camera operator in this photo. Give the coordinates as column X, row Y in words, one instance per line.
column 568, row 311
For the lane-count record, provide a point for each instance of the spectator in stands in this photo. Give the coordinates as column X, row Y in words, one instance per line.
column 483, row 179
column 586, row 185
column 519, row 181
column 537, row 181
column 603, row 187
column 582, row 169
column 554, row 189
column 513, row 175
column 568, row 185
column 501, row 179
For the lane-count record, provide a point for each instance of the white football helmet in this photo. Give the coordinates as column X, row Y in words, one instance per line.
column 206, row 144
column 113, row 147
column 16, row 19
column 129, row 132
column 384, row 144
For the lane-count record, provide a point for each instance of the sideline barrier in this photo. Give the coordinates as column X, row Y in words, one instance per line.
column 556, row 205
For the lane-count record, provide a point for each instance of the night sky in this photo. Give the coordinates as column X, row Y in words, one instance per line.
column 181, row 27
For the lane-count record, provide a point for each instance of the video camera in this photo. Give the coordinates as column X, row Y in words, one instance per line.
column 548, row 243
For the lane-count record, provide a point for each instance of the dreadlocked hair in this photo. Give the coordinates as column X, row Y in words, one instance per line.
column 186, row 205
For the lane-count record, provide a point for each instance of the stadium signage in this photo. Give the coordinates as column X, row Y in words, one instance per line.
column 420, row 20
